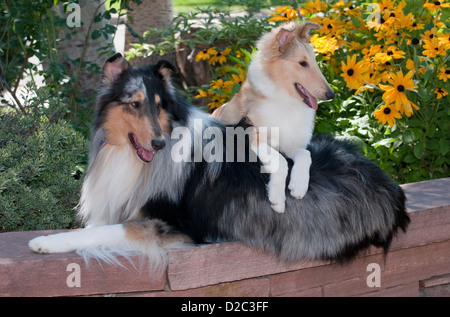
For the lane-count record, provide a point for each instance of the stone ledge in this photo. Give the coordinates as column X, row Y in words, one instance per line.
column 418, row 259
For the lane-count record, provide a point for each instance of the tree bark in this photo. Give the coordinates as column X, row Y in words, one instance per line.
column 150, row 14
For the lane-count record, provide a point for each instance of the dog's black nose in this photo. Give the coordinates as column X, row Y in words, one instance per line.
column 330, row 94
column 158, row 144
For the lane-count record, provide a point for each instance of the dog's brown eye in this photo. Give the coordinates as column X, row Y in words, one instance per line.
column 304, row 64
column 136, row 105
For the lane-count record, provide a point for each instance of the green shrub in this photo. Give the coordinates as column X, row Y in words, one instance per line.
column 42, row 160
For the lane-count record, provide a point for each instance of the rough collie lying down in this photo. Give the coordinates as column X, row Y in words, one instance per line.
column 163, row 174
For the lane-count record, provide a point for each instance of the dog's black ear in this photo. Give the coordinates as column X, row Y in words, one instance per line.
column 165, row 68
column 114, row 66
column 303, row 30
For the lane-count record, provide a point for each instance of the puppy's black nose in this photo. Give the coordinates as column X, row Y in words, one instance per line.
column 158, row 144
column 330, row 94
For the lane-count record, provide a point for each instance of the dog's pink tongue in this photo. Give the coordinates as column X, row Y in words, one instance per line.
column 145, row 155
column 312, row 101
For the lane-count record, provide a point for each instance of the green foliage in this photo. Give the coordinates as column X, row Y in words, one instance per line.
column 42, row 159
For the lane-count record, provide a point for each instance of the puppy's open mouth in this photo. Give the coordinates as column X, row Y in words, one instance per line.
column 145, row 155
column 307, row 97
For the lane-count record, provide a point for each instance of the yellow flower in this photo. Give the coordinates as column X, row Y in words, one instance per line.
column 315, row 6
column 238, row 79
column 444, row 74
column 352, row 72
column 440, row 93
column 433, row 48
column 444, row 39
column 203, row 94
column 396, row 93
column 387, row 114
column 284, row 13
column 220, row 57
column 436, row 5
column 216, row 84
column 205, row 54
column 217, row 101
column 390, row 54
column 325, row 45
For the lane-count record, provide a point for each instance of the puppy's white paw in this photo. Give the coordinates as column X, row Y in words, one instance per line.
column 49, row 244
column 277, row 196
column 298, row 187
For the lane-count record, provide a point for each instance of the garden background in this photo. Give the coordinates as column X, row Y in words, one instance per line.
column 387, row 61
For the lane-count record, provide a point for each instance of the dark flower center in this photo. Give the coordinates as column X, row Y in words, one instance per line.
column 387, row 110
column 447, row 71
column 390, row 53
column 400, row 88
column 415, row 41
column 350, row 72
column 437, row 3
column 329, row 26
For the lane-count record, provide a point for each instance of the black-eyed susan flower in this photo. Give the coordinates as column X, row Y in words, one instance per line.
column 315, row 6
column 203, row 94
column 444, row 73
column 285, row 13
column 440, row 93
column 436, row 5
column 396, row 92
column 205, row 54
column 220, row 57
column 433, row 48
column 387, row 114
column 353, row 72
column 387, row 55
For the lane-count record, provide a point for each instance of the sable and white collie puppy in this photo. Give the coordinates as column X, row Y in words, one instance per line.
column 147, row 188
column 281, row 90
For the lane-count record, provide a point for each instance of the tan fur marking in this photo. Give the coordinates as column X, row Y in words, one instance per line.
column 154, row 230
column 119, row 123
column 164, row 121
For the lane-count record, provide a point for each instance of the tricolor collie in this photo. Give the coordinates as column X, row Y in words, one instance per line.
column 145, row 191
column 281, row 90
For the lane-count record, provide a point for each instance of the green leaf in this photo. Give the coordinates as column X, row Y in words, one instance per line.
column 419, row 149
column 443, row 146
column 95, row 34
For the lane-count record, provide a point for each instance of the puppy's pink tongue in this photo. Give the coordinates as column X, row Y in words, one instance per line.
column 313, row 102
column 307, row 97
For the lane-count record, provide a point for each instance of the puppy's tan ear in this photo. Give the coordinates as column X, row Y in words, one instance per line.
column 113, row 67
column 284, row 39
column 303, row 30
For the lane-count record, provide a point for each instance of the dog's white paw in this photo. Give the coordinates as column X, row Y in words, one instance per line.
column 50, row 244
column 298, row 188
column 277, row 196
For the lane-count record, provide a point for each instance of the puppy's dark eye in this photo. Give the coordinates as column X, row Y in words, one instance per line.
column 136, row 105
column 304, row 64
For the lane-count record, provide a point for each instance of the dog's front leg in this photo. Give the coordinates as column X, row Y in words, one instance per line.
column 275, row 164
column 299, row 182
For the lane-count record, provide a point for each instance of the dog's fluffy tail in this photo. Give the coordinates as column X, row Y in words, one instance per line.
column 150, row 238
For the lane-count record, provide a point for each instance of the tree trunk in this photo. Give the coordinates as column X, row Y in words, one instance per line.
column 81, row 48
column 149, row 14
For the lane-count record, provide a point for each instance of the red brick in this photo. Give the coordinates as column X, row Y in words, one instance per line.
column 246, row 288
column 224, row 262
column 25, row 273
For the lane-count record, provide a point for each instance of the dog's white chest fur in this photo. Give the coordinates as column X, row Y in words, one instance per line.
column 293, row 120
